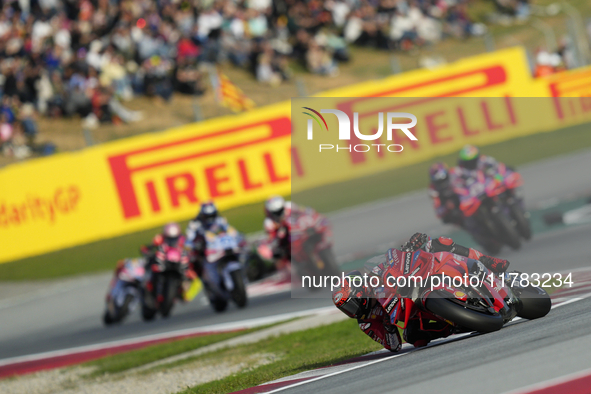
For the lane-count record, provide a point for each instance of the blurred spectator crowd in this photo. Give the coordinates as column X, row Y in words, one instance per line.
column 87, row 57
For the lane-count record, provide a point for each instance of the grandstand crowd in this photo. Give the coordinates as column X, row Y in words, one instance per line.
column 87, row 57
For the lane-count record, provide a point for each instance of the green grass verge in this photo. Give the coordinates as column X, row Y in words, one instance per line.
column 102, row 255
column 136, row 358
column 297, row 352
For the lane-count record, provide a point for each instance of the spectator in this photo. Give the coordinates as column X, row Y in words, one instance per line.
column 319, row 61
column 6, row 134
column 82, row 58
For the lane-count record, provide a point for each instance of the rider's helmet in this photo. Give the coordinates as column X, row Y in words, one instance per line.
column 469, row 156
column 439, row 174
column 207, row 214
column 275, row 208
column 171, row 234
column 352, row 300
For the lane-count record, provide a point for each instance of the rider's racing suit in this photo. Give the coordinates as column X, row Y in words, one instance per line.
column 195, row 239
column 296, row 221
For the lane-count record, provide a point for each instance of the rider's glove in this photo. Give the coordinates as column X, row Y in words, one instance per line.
column 494, row 264
column 415, row 242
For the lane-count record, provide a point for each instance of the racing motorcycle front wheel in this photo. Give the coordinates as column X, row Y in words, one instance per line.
column 447, row 308
column 506, row 230
column 239, row 292
column 172, row 284
column 535, row 302
column 521, row 218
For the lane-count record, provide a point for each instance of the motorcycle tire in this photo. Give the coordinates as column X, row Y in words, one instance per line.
column 484, row 219
column 330, row 262
column 492, row 247
column 171, row 288
column 447, row 309
column 507, row 232
column 219, row 305
column 535, row 302
column 148, row 314
column 239, row 292
column 107, row 319
column 522, row 223
column 255, row 268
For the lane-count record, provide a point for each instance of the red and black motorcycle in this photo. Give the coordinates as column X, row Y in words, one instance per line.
column 493, row 210
column 167, row 269
column 471, row 299
column 306, row 242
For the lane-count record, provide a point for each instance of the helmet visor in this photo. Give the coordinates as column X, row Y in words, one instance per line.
column 354, row 307
column 469, row 164
column 171, row 241
column 277, row 215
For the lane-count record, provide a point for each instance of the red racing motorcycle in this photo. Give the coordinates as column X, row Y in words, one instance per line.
column 472, row 298
column 303, row 242
column 493, row 212
column 167, row 270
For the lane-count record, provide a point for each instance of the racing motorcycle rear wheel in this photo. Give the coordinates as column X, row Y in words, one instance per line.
column 443, row 306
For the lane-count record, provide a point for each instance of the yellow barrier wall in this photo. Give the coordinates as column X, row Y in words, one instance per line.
column 141, row 182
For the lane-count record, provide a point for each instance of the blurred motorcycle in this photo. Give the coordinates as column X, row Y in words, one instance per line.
column 471, row 299
column 487, row 204
column 259, row 261
column 310, row 241
column 124, row 290
column 512, row 197
column 223, row 272
column 164, row 284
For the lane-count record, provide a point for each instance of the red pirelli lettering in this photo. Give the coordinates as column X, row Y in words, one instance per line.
column 215, row 181
column 123, row 171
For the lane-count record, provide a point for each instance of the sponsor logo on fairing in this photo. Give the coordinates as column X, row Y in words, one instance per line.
column 407, row 260
column 391, row 305
column 364, row 326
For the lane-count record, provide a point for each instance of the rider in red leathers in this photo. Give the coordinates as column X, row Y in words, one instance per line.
column 277, row 226
column 288, row 224
column 374, row 319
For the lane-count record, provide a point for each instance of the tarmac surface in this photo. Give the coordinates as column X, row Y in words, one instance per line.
column 47, row 316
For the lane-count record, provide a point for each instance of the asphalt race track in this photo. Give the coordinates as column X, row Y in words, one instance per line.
column 69, row 314
column 521, row 354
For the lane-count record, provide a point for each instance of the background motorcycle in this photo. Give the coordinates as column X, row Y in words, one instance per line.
column 513, row 199
column 483, row 204
column 223, row 273
column 477, row 305
column 259, row 261
column 164, row 281
column 310, row 245
column 124, row 290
